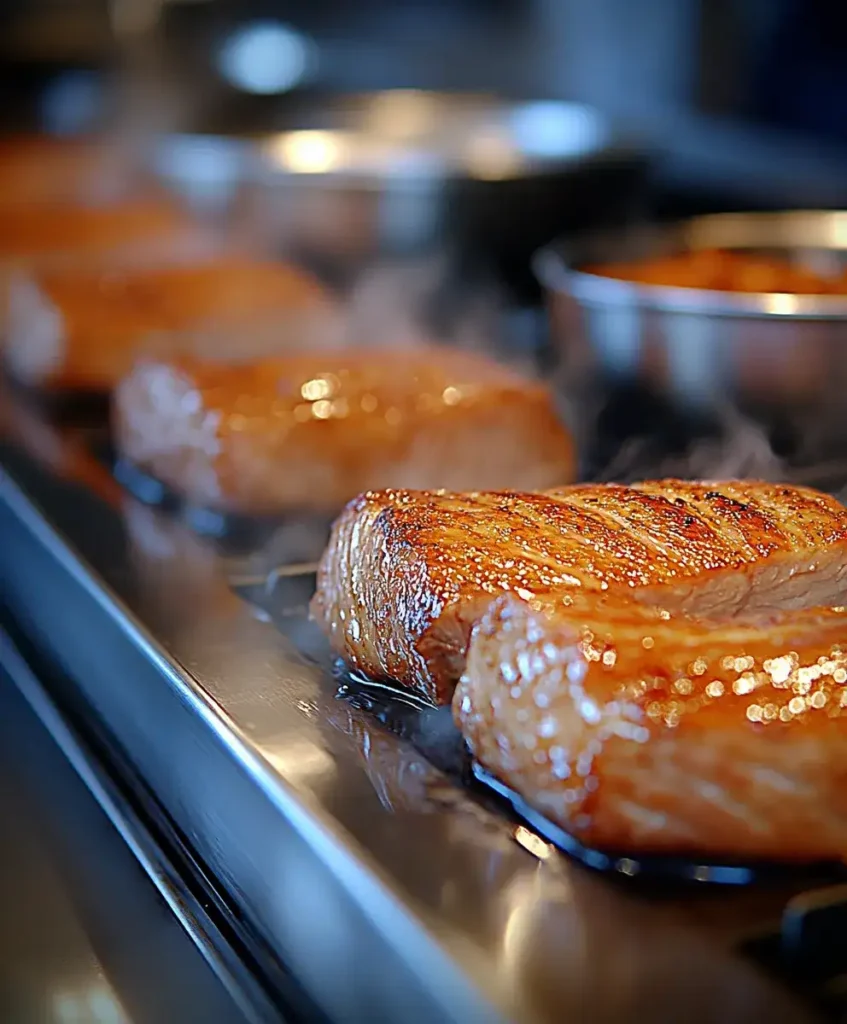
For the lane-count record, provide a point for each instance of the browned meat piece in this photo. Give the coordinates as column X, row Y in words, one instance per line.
column 407, row 574
column 30, row 234
column 37, row 169
column 67, row 235
column 310, row 430
column 645, row 732
column 84, row 329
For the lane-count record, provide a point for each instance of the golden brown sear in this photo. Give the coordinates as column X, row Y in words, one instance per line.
column 657, row 668
column 42, row 170
column 644, row 732
column 42, row 233
column 407, row 574
column 83, row 329
column 310, row 430
column 725, row 270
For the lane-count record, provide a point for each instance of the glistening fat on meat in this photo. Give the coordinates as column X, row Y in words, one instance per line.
column 645, row 732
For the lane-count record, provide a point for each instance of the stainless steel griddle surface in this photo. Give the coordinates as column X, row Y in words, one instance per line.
column 389, row 890
column 85, row 934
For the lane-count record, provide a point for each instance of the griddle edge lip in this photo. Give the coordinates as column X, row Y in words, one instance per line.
column 455, row 996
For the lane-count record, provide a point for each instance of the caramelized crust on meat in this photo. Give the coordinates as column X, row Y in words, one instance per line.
column 306, row 431
column 34, row 233
column 68, row 234
column 84, row 329
column 36, row 169
column 643, row 732
column 407, row 574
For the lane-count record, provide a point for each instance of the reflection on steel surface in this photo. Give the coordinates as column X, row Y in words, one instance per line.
column 316, row 821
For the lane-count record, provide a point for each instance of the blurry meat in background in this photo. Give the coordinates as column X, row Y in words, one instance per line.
column 713, row 88
column 416, row 155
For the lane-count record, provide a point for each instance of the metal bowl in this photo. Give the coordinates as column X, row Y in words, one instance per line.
column 398, row 173
column 775, row 355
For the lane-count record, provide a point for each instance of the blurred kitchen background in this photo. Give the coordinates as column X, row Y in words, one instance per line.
column 683, row 106
column 737, row 101
column 452, row 137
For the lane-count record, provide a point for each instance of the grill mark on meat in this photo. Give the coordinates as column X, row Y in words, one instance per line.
column 548, row 519
column 684, row 541
column 592, row 525
column 740, row 522
column 803, row 515
column 661, row 554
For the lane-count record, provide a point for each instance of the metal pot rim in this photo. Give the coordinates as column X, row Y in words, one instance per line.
column 556, row 267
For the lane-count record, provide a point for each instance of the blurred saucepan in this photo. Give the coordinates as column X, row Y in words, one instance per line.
column 777, row 355
column 399, row 172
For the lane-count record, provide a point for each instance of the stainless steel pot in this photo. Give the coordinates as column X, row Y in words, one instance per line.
column 770, row 353
column 404, row 172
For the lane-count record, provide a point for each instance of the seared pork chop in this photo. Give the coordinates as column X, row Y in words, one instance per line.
column 85, row 328
column 41, row 170
column 407, row 574
column 30, row 234
column 311, row 430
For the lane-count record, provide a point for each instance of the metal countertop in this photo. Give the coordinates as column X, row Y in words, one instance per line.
column 387, row 890
column 85, row 936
